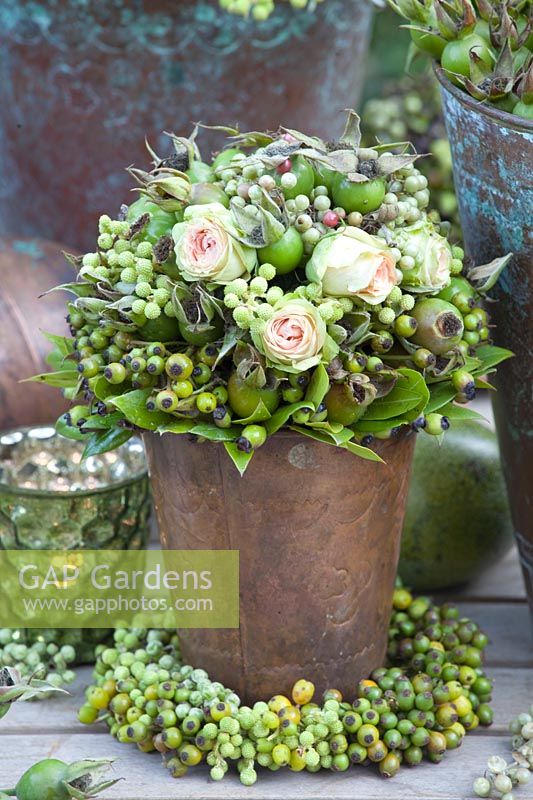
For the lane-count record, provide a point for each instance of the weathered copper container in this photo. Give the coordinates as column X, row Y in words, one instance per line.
column 28, row 268
column 493, row 170
column 318, row 531
column 82, row 83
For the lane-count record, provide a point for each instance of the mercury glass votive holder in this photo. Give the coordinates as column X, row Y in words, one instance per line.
column 52, row 499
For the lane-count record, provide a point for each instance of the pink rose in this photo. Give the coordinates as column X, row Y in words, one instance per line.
column 294, row 336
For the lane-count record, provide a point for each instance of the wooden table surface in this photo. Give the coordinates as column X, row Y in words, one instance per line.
column 33, row 731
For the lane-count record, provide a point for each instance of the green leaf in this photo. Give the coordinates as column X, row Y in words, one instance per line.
column 481, row 383
column 230, row 340
column 282, row 415
column 78, row 289
column 453, row 411
column 103, row 422
column 133, row 406
column 362, row 452
column 215, row 434
column 377, row 425
column 240, row 459
column 440, row 394
column 260, row 414
column 318, row 387
column 63, row 378
column 102, row 388
column 408, row 398
column 63, row 347
column 490, row 355
column 335, row 439
column 177, row 426
column 338, row 432
column 103, row 441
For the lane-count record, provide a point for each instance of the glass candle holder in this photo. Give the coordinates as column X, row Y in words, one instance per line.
column 51, row 499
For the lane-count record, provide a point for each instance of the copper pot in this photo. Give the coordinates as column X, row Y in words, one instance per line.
column 318, row 531
column 492, row 160
column 82, row 83
column 29, row 267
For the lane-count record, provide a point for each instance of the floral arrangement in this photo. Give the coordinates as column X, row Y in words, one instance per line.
column 288, row 283
column 483, row 46
column 411, row 110
column 260, row 10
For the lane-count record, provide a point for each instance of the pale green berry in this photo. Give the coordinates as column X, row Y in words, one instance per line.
column 152, row 310
column 117, row 228
column 355, row 219
column 242, row 316
column 267, row 271
column 407, row 302
column 144, row 250
column 239, row 287
column 112, row 258
column 231, row 300
column 216, row 773
column 396, row 253
column 322, row 203
column 248, row 777
column 102, row 272
column 311, row 236
column 458, row 252
column 386, row 316
column 503, row 783
column 128, row 275
column 257, row 326
column 143, row 289
column 105, row 241
column 407, row 262
column 395, row 295
column 104, row 224
column 267, row 182
column 138, row 306
column 288, row 180
column 456, row 266
column 306, row 738
column 302, row 202
column 320, row 190
column 303, row 223
column 311, row 758
column 314, row 290
column 258, row 285
column 161, row 296
column 126, row 259
column 274, row 294
column 327, row 311
column 265, row 311
column 91, row 260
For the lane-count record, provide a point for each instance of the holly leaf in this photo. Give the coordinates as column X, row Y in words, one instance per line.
column 133, row 406
column 103, row 441
column 239, row 458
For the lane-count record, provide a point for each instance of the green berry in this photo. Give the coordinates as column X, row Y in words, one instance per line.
column 206, row 402
column 152, row 310
column 179, row 366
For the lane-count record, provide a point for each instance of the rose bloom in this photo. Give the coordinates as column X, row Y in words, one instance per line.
column 294, row 336
column 352, row 263
column 433, row 254
column 207, row 247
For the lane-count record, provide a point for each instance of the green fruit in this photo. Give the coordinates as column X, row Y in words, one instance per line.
column 457, row 284
column 203, row 337
column 43, row 781
column 285, row 254
column 428, row 42
column 162, row 329
column 456, row 55
column 341, row 405
column 363, row 197
column 244, row 399
column 161, row 222
column 199, row 172
column 224, row 157
column 458, row 521
column 440, row 325
column 202, row 193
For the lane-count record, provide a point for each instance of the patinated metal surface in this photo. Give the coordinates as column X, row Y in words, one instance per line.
column 82, row 83
column 29, row 267
column 493, row 171
column 318, row 531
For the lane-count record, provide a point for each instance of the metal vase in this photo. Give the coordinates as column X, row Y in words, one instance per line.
column 83, row 83
column 493, row 170
column 318, row 531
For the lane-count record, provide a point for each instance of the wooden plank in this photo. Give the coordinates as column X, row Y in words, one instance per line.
column 145, row 778
column 509, row 627
column 504, row 581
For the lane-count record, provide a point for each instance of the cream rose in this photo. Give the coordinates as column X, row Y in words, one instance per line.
column 352, row 263
column 207, row 247
column 432, row 254
column 294, row 336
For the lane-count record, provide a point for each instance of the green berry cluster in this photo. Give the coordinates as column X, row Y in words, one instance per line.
column 431, row 693
column 260, row 10
column 41, row 654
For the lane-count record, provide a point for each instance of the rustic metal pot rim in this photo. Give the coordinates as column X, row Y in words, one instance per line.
column 140, row 475
column 504, row 118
